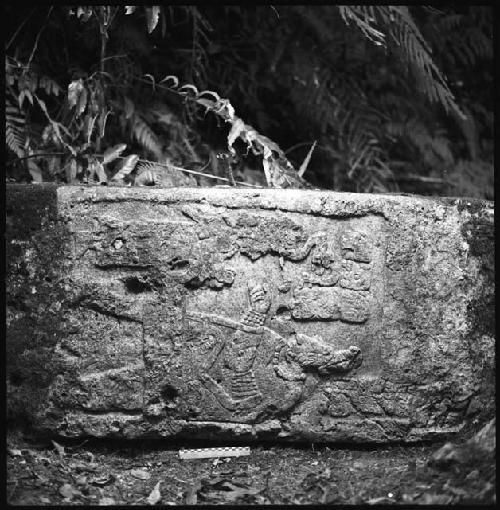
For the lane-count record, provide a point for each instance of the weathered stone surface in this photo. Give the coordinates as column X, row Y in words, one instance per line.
column 227, row 313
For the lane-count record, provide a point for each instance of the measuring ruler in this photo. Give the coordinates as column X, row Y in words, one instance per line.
column 208, row 453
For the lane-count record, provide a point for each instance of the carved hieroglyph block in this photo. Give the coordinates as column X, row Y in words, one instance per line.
column 224, row 313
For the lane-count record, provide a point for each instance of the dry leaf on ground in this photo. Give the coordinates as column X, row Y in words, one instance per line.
column 106, row 501
column 101, row 481
column 67, row 491
column 142, row 474
column 59, row 448
column 192, row 493
column 155, row 495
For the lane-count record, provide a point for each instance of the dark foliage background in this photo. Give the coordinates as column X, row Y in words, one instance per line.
column 397, row 98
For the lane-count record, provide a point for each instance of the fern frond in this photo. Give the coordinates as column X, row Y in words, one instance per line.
column 146, row 137
column 334, row 102
column 417, row 51
column 15, row 129
column 200, row 41
column 182, row 140
column 449, row 22
column 125, row 167
column 148, row 174
column 470, row 46
column 399, row 24
column 461, row 39
column 433, row 148
column 364, row 18
column 151, row 173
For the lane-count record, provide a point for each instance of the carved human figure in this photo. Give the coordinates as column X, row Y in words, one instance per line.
column 238, row 388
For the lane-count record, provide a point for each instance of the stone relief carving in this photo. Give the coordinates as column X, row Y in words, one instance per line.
column 230, row 373
column 337, row 282
column 258, row 367
column 355, row 246
column 323, row 266
column 345, row 261
column 355, row 276
column 325, row 303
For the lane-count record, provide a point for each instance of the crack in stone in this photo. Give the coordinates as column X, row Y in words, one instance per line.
column 111, row 371
column 97, row 308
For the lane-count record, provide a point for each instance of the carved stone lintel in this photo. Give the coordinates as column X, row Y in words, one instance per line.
column 128, row 313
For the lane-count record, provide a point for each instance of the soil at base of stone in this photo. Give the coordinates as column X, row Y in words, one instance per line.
column 57, row 473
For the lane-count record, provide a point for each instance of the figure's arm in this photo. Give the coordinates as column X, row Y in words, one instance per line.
column 212, row 319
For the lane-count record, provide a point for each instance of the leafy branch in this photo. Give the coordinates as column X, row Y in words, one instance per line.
column 273, row 155
column 398, row 23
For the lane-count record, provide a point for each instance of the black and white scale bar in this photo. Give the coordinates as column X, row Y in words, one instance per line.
column 208, row 453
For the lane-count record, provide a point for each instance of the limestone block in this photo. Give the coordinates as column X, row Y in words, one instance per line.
column 236, row 314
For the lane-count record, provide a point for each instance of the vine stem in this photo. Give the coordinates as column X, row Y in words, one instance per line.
column 297, row 145
column 41, row 155
column 35, row 46
column 19, row 28
column 104, row 17
column 173, row 167
column 194, row 172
